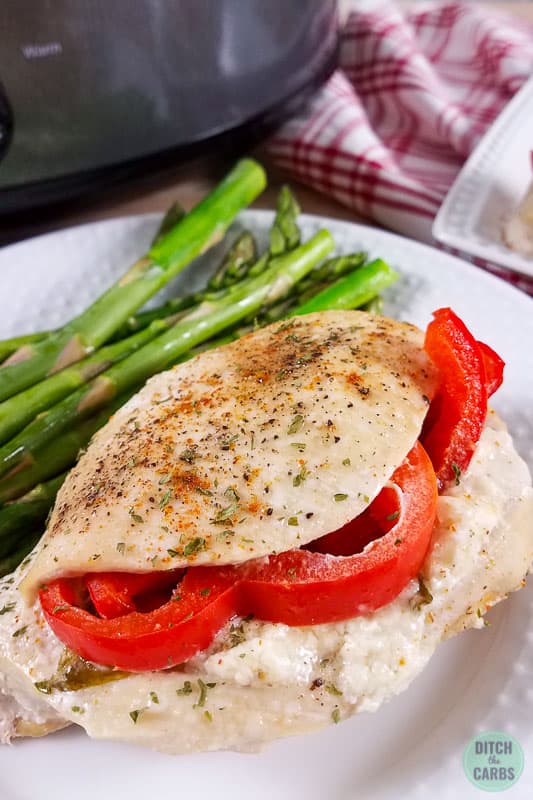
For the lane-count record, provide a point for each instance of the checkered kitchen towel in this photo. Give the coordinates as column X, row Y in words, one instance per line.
column 412, row 96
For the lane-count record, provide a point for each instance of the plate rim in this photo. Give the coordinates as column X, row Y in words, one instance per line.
column 479, row 272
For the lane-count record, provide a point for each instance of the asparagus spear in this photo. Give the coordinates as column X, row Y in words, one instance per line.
column 209, row 319
column 285, row 233
column 11, row 561
column 236, row 263
column 331, row 270
column 27, row 513
column 239, row 261
column 346, row 294
column 172, row 216
column 232, row 269
column 353, row 290
column 56, row 455
column 194, row 234
column 318, row 279
column 374, row 306
column 19, row 410
column 241, row 255
column 9, row 346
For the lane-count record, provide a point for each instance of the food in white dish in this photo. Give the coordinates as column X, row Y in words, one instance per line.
column 518, row 230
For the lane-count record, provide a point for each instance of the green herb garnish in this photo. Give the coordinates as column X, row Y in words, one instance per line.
column 296, row 424
column 164, row 500
column 225, row 514
column 236, row 635
column 202, row 694
column 300, row 446
column 135, row 517
column 422, row 598
column 300, row 478
column 332, row 689
column 194, row 546
column 227, row 441
column 456, row 472
column 135, row 714
column 188, row 455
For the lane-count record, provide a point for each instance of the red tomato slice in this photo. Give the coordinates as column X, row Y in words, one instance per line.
column 298, row 587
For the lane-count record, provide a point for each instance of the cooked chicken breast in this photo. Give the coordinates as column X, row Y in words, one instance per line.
column 264, row 430
column 215, row 460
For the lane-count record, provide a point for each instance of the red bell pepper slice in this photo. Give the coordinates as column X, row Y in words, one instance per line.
column 299, row 587
column 494, row 366
column 115, row 593
column 469, row 372
column 138, row 641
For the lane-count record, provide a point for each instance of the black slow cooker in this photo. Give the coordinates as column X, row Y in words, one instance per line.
column 93, row 91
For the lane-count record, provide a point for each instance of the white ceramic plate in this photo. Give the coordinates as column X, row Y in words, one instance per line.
column 490, row 186
column 480, row 680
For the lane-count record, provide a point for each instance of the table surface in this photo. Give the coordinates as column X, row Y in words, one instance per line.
column 187, row 184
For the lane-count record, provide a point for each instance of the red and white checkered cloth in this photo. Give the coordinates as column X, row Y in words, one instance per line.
column 412, row 96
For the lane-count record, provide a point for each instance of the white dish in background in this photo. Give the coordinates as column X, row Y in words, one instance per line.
column 480, row 680
column 490, row 187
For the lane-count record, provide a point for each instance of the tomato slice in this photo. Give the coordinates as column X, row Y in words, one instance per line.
column 299, row 587
column 457, row 413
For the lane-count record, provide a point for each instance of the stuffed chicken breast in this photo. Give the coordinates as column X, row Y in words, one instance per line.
column 257, row 544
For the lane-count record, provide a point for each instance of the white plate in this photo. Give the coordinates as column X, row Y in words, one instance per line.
column 478, row 681
column 490, row 186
